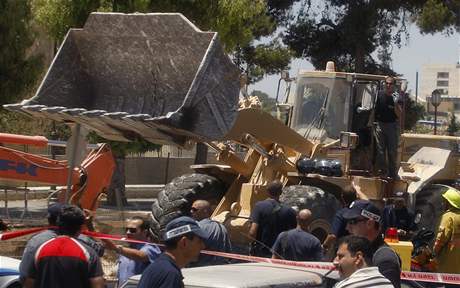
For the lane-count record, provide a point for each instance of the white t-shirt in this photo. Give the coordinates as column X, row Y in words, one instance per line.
column 365, row 277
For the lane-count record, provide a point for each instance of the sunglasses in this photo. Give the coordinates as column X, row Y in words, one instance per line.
column 193, row 209
column 356, row 221
column 131, row 230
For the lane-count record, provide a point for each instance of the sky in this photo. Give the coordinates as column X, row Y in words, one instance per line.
column 419, row 50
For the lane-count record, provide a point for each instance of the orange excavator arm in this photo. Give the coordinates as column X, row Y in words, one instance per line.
column 89, row 180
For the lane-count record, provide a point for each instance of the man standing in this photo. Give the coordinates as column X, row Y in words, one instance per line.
column 218, row 239
column 269, row 218
column 387, row 110
column 27, row 260
column 363, row 219
column 298, row 244
column 353, row 261
column 63, row 261
column 397, row 215
column 135, row 258
column 447, row 244
column 183, row 240
column 339, row 224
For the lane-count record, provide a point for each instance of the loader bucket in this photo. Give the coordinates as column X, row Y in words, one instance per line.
column 154, row 76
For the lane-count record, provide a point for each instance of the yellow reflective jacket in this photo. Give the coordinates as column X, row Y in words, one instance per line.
column 447, row 245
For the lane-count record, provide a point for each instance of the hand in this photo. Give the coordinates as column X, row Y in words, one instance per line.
column 109, row 244
column 402, row 233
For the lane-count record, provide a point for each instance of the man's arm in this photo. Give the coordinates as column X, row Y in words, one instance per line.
column 97, row 282
column 253, row 230
column 389, row 265
column 131, row 253
column 443, row 235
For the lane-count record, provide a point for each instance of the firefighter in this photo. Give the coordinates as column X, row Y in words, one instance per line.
column 447, row 244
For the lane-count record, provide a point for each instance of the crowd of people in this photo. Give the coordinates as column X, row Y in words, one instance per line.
column 63, row 257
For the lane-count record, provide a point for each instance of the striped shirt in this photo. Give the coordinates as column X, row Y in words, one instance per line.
column 365, row 277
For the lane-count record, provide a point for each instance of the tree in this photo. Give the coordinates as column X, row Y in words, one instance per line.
column 349, row 33
column 18, row 69
column 438, row 16
column 454, row 126
column 268, row 104
column 412, row 112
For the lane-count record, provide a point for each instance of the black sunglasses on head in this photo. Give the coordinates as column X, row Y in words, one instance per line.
column 356, row 221
column 131, row 230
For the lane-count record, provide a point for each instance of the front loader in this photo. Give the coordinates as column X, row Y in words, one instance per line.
column 160, row 78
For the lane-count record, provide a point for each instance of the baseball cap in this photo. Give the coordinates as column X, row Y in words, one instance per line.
column 181, row 226
column 362, row 208
column 54, row 210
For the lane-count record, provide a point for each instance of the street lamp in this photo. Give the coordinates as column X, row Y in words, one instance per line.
column 435, row 101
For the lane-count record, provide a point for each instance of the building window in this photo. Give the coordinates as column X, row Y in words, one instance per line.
column 443, row 75
column 456, row 106
column 444, row 91
column 442, row 83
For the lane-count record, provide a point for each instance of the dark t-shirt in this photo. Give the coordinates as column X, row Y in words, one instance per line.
column 298, row 245
column 272, row 218
column 387, row 261
column 64, row 262
column 385, row 108
column 163, row 273
column 398, row 218
column 339, row 224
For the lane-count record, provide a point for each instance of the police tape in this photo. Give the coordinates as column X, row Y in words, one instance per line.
column 444, row 278
column 18, row 233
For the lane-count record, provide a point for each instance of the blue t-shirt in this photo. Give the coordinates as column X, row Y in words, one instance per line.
column 129, row 267
column 163, row 273
column 298, row 245
column 339, row 224
column 218, row 240
column 272, row 218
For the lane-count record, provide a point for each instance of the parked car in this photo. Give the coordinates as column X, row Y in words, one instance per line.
column 9, row 272
column 248, row 275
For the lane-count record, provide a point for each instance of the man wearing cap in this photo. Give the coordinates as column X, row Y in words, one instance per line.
column 387, row 109
column 363, row 219
column 183, row 240
column 447, row 244
column 32, row 245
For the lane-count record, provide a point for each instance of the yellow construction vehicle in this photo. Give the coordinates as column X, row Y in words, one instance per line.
column 158, row 77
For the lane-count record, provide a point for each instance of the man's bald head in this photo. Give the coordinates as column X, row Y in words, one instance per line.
column 200, row 210
column 304, row 218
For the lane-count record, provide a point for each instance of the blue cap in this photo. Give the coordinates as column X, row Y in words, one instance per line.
column 362, row 208
column 54, row 210
column 181, row 226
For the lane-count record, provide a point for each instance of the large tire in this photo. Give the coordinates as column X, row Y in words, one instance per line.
column 429, row 204
column 323, row 206
column 176, row 198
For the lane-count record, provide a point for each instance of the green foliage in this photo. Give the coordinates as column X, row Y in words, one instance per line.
column 18, row 71
column 348, row 32
column 268, row 104
column 439, row 15
column 413, row 113
column 453, row 126
column 58, row 16
column 121, row 149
